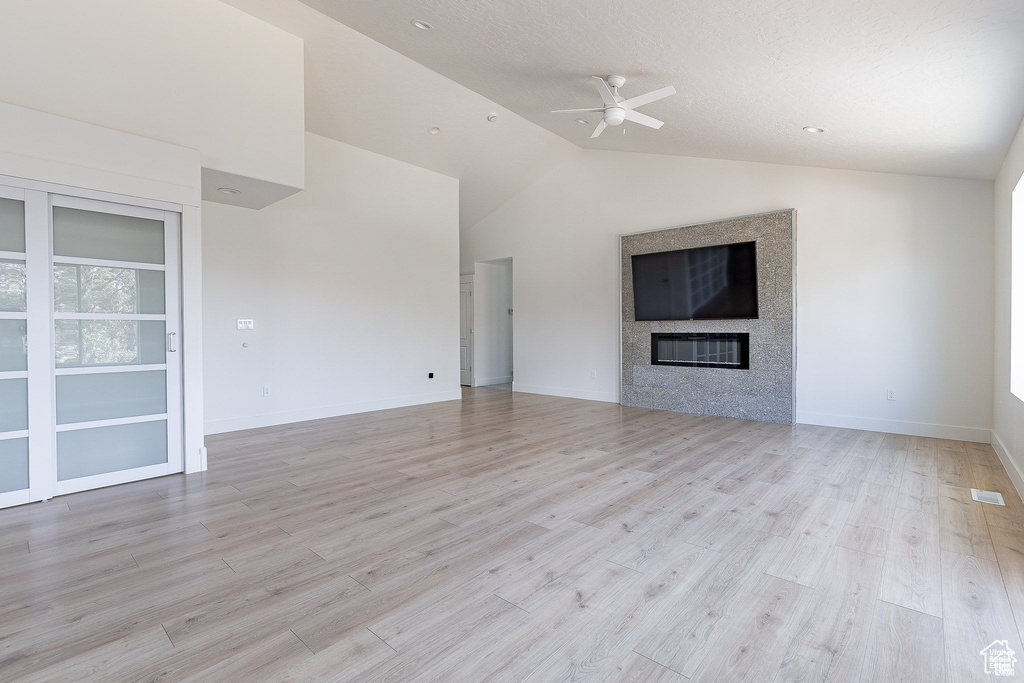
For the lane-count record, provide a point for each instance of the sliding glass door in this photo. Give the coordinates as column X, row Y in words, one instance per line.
column 90, row 372
column 115, row 346
column 14, row 464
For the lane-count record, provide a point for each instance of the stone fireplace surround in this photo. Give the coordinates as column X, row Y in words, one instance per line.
column 765, row 391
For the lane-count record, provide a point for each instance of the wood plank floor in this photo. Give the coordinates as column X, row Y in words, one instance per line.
column 514, row 537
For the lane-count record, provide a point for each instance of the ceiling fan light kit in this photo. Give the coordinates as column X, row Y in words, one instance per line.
column 618, row 109
column 614, row 116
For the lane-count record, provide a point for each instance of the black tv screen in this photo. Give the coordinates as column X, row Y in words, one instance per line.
column 707, row 283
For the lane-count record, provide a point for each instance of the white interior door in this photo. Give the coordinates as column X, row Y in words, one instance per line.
column 466, row 331
column 90, row 373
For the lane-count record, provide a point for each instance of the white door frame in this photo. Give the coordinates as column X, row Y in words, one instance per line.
column 492, row 312
column 190, row 456
column 467, row 281
column 191, row 297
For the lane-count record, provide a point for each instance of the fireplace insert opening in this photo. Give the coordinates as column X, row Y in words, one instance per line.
column 702, row 349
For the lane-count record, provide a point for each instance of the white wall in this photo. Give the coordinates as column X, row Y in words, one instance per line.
column 1008, row 434
column 196, row 73
column 353, row 287
column 893, row 280
column 492, row 325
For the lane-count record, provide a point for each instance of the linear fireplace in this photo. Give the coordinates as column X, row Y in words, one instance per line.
column 748, row 375
column 702, row 349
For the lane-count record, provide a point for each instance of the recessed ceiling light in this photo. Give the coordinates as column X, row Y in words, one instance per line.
column 814, row 129
column 228, row 190
column 582, row 121
column 434, row 130
column 422, row 25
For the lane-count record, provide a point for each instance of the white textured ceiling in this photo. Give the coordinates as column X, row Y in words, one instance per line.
column 932, row 87
column 365, row 94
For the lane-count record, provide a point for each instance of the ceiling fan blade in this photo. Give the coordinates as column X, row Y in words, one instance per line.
column 566, row 111
column 643, row 119
column 600, row 129
column 653, row 96
column 606, row 93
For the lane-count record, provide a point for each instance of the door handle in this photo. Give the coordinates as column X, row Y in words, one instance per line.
column 171, row 348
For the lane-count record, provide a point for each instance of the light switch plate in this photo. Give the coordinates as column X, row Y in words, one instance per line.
column 245, row 323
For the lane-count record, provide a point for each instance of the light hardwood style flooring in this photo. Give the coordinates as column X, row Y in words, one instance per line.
column 513, row 537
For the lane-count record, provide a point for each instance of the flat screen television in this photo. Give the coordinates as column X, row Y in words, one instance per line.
column 707, row 283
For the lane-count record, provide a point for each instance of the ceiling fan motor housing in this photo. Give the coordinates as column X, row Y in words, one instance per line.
column 614, row 116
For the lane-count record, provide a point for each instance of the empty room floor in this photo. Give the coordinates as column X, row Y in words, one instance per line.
column 516, row 537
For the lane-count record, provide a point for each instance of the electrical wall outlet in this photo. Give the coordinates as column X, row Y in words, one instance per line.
column 244, row 323
column 890, row 394
column 266, row 392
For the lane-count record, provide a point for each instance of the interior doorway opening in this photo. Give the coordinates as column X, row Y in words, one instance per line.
column 489, row 321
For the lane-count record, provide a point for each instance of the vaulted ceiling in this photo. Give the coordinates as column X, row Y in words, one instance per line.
column 365, row 94
column 929, row 87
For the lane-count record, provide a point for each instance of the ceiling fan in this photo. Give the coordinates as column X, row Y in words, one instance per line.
column 618, row 109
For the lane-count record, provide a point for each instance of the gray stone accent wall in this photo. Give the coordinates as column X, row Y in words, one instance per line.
column 765, row 392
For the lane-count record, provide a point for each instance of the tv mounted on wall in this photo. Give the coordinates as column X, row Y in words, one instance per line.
column 706, row 283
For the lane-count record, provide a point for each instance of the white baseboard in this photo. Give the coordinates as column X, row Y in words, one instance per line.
column 493, row 380
column 272, row 419
column 605, row 396
column 872, row 424
column 1012, row 470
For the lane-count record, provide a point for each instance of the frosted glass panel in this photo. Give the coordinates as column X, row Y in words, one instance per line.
column 84, row 452
column 82, row 398
column 95, row 289
column 13, row 405
column 13, row 348
column 13, row 465
column 109, row 342
column 12, row 225
column 12, row 286
column 151, row 291
column 91, row 234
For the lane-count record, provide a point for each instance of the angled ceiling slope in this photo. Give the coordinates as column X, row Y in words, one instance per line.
column 930, row 87
column 365, row 94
